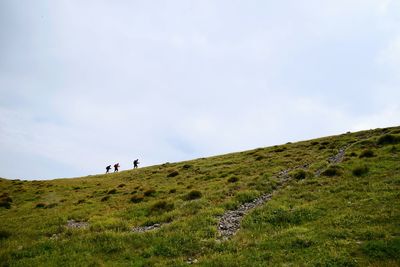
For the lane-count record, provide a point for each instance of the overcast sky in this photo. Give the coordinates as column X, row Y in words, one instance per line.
column 84, row 84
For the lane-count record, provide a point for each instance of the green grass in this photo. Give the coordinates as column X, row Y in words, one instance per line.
column 347, row 216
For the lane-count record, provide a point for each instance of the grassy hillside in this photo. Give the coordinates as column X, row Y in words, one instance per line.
column 323, row 211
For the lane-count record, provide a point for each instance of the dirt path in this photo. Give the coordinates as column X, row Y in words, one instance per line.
column 230, row 221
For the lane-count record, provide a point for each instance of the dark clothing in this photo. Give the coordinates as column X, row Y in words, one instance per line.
column 108, row 168
column 135, row 163
column 116, row 166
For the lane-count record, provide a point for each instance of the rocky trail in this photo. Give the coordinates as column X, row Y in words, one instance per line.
column 230, row 221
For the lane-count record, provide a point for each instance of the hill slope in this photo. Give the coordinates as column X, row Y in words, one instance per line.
column 332, row 201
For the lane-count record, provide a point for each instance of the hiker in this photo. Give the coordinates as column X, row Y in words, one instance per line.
column 135, row 163
column 108, row 168
column 116, row 166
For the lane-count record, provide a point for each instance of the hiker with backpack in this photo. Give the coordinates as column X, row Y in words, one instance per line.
column 135, row 163
column 116, row 166
column 108, row 168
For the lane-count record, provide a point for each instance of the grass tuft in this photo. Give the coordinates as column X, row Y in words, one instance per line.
column 233, row 179
column 105, row 198
column 388, row 139
column 150, row 193
column 173, row 174
column 187, row 166
column 162, row 206
column 360, row 171
column 41, row 205
column 137, row 198
column 5, row 204
column 367, row 154
column 173, row 190
column 382, row 249
column 112, row 191
column 299, row 174
column 194, row 194
column 4, row 234
column 332, row 171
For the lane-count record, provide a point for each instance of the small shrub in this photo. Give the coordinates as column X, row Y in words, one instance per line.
column 40, row 205
column 172, row 191
column 322, row 148
column 301, row 243
column 299, row 175
column 259, row 157
column 6, row 198
column 137, row 198
column 5, row 204
column 186, row 166
column 121, row 185
column 162, row 206
column 105, row 198
column 194, row 194
column 52, row 205
column 353, row 154
column 332, row 171
column 173, row 174
column 367, row 154
column 360, row 170
column 112, row 191
column 314, row 143
column 233, row 179
column 388, row 139
column 280, row 149
column 382, row 249
column 4, row 234
column 150, row 193
column 80, row 201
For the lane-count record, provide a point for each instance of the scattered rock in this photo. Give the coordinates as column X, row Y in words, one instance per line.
column 338, row 157
column 191, row 261
column 333, row 160
column 72, row 224
column 142, row 229
column 54, row 237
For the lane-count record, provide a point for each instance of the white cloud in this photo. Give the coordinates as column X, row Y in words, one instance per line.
column 390, row 55
column 84, row 84
column 389, row 116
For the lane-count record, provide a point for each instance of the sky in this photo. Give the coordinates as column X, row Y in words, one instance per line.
column 85, row 84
